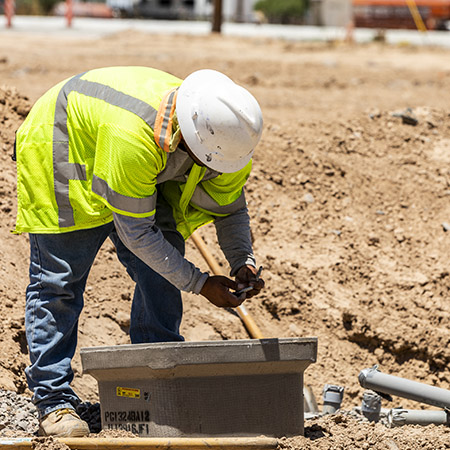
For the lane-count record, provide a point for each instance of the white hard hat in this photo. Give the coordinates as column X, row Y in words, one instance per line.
column 220, row 121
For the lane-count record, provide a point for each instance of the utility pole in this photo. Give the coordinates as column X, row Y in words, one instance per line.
column 217, row 16
column 239, row 11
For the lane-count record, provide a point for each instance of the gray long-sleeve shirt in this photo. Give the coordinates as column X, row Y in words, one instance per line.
column 146, row 241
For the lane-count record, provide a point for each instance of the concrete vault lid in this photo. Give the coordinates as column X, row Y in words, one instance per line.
column 170, row 355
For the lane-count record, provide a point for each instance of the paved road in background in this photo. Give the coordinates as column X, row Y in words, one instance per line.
column 91, row 28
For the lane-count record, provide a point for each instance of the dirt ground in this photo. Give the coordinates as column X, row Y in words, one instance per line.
column 349, row 204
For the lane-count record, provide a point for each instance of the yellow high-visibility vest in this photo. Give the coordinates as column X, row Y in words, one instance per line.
column 87, row 148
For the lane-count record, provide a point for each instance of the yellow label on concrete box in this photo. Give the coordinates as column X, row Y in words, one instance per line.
column 128, row 392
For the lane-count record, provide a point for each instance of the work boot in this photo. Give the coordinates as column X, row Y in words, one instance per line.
column 63, row 422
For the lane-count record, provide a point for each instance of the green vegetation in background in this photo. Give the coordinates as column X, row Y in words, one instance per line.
column 41, row 7
column 47, row 5
column 283, row 11
column 35, row 7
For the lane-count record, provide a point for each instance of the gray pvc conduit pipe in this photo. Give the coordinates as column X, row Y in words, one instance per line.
column 389, row 384
column 371, row 405
column 332, row 398
column 398, row 417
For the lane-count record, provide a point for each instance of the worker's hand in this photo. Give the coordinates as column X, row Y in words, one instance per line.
column 245, row 277
column 217, row 290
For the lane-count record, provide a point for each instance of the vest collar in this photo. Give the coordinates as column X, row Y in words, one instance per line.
column 167, row 132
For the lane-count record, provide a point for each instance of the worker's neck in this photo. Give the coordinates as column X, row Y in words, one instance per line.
column 183, row 147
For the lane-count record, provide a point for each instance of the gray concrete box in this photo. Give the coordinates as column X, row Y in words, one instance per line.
column 209, row 388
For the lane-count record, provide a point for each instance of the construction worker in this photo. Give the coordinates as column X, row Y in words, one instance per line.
column 144, row 158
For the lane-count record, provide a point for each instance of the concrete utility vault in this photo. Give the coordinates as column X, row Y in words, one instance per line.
column 208, row 388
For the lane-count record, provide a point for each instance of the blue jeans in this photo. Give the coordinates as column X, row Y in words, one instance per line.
column 59, row 267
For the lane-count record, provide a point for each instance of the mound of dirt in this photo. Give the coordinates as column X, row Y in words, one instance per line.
column 13, row 109
column 363, row 212
column 342, row 432
column 349, row 201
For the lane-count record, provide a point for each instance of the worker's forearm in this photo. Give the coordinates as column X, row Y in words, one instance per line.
column 233, row 234
column 145, row 240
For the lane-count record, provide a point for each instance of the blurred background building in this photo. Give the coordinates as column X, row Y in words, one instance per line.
column 412, row 14
column 232, row 10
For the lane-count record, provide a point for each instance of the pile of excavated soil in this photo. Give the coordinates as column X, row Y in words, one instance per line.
column 13, row 109
column 349, row 201
column 342, row 432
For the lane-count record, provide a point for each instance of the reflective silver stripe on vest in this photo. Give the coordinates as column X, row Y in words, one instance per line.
column 165, row 123
column 64, row 170
column 123, row 202
column 203, row 200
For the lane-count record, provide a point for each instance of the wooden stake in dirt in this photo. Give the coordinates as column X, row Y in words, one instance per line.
column 69, row 12
column 9, row 8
